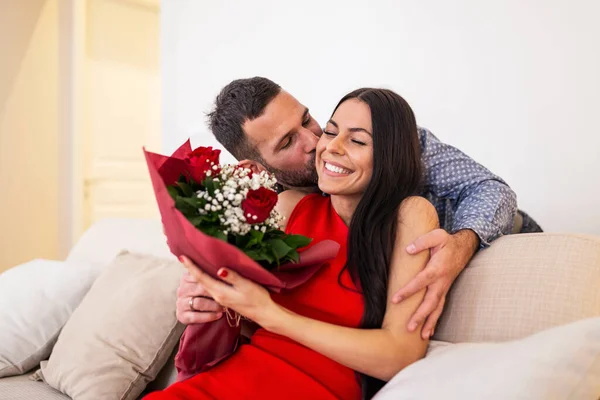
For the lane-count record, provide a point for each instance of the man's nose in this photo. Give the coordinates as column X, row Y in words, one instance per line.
column 309, row 140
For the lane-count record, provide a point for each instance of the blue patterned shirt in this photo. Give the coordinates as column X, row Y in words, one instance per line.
column 465, row 194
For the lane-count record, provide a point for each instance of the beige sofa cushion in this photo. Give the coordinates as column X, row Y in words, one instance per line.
column 523, row 284
column 122, row 334
column 36, row 300
column 21, row 387
column 561, row 363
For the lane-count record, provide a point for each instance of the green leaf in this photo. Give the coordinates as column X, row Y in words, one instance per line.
column 260, row 255
column 185, row 189
column 214, row 231
column 253, row 254
column 219, row 234
column 241, row 242
column 197, row 221
column 211, row 185
column 267, row 257
column 293, row 256
column 173, row 192
column 275, row 234
column 256, row 238
column 279, row 248
column 297, row 241
column 182, row 178
column 187, row 205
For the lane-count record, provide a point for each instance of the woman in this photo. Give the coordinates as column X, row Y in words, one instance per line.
column 316, row 338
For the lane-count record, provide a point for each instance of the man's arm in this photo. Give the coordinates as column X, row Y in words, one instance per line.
column 482, row 201
column 483, row 209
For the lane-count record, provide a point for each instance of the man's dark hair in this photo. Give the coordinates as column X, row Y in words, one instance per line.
column 238, row 102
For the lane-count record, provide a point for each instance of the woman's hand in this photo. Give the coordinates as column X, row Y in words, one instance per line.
column 237, row 293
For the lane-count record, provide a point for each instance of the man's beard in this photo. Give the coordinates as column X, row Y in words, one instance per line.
column 300, row 178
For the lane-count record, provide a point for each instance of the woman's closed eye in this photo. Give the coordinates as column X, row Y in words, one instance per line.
column 333, row 134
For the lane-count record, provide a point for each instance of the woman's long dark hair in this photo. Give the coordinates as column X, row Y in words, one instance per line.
column 397, row 174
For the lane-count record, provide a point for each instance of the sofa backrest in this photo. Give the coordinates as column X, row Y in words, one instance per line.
column 101, row 243
column 523, row 284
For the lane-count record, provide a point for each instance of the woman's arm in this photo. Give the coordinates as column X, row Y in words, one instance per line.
column 286, row 203
column 380, row 353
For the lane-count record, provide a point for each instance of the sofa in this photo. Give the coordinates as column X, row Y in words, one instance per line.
column 522, row 321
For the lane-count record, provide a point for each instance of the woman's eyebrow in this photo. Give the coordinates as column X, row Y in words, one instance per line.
column 332, row 122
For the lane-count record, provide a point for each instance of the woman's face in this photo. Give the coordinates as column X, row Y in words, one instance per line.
column 344, row 158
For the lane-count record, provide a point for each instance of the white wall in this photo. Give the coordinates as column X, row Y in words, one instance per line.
column 515, row 84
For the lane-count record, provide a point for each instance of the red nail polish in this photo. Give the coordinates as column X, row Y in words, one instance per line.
column 181, row 259
column 223, row 273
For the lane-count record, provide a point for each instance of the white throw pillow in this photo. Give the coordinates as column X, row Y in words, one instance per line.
column 559, row 363
column 122, row 334
column 36, row 300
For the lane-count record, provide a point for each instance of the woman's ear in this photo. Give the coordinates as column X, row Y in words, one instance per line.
column 254, row 166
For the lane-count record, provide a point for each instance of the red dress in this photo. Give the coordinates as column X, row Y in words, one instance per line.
column 272, row 366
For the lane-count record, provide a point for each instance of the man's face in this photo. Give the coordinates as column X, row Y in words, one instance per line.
column 286, row 137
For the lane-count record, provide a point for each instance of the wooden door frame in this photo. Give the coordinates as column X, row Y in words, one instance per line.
column 72, row 100
column 72, row 35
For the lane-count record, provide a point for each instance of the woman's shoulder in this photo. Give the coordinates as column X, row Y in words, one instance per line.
column 290, row 201
column 417, row 212
column 287, row 201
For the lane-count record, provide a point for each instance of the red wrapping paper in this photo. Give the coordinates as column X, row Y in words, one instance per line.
column 204, row 345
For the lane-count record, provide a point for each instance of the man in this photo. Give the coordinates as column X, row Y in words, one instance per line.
column 268, row 129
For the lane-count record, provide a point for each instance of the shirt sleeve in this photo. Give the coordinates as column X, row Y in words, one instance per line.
column 482, row 201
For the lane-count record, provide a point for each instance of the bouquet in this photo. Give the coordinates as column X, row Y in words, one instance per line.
column 223, row 216
column 233, row 204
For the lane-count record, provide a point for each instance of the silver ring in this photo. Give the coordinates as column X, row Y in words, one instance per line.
column 191, row 303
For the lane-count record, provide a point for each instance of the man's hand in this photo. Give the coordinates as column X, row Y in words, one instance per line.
column 204, row 309
column 449, row 256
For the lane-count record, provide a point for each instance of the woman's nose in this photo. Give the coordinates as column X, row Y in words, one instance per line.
column 336, row 145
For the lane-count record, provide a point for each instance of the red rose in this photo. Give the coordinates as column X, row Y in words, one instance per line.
column 259, row 202
column 200, row 161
